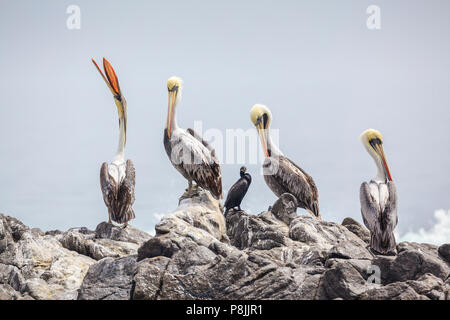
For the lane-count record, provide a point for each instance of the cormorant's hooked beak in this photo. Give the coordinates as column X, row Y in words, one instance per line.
column 112, row 82
column 172, row 100
column 262, row 134
column 377, row 145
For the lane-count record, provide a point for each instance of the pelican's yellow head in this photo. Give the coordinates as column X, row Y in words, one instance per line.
column 174, row 86
column 174, row 83
column 261, row 116
column 373, row 142
column 371, row 134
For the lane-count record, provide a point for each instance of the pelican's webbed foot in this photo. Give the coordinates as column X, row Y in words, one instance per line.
column 192, row 190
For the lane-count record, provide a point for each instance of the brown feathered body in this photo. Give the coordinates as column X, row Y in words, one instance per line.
column 195, row 159
column 117, row 181
column 284, row 176
column 379, row 213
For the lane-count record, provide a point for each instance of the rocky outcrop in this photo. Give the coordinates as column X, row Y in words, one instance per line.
column 53, row 265
column 106, row 241
column 35, row 265
column 278, row 255
column 198, row 254
column 109, row 279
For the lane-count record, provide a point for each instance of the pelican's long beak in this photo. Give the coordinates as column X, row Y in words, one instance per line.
column 110, row 79
column 172, row 100
column 379, row 149
column 112, row 82
column 262, row 135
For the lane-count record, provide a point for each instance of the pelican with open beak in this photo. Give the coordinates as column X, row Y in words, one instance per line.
column 379, row 197
column 117, row 180
column 280, row 173
column 192, row 156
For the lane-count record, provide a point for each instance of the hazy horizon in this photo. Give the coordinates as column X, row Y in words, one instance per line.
column 325, row 76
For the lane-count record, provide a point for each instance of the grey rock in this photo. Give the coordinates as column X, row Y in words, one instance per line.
column 106, row 241
column 354, row 226
column 201, row 212
column 53, row 232
column 342, row 280
column 53, row 265
column 413, row 261
column 444, row 251
column 88, row 246
column 109, row 279
column 37, row 232
column 8, row 293
column 149, row 278
column 393, row 291
column 447, row 289
column 267, row 258
column 336, row 239
column 14, row 227
column 197, row 254
column 30, row 256
column 285, row 208
column 12, row 276
column 246, row 231
column 428, row 285
column 158, row 246
column 129, row 234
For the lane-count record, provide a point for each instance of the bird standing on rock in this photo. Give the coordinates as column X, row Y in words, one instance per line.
column 237, row 191
column 280, row 173
column 192, row 156
column 379, row 197
column 117, row 180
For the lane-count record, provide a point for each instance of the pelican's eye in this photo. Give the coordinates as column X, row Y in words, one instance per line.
column 174, row 88
column 374, row 142
column 265, row 119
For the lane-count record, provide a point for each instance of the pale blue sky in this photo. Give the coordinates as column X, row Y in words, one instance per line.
column 324, row 75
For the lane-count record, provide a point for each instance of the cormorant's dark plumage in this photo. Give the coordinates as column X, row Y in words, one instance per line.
column 238, row 190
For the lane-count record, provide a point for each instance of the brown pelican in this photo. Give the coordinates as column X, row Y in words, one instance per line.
column 192, row 156
column 117, row 179
column 281, row 174
column 238, row 190
column 379, row 197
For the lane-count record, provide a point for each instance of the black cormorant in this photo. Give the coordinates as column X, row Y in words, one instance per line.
column 238, row 190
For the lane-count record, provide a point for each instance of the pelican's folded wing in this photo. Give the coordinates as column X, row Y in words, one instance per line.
column 299, row 183
column 108, row 186
column 391, row 205
column 369, row 209
column 314, row 192
column 126, row 194
column 126, row 189
column 205, row 143
column 207, row 174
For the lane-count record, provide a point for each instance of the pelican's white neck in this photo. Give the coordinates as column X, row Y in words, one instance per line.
column 272, row 147
column 381, row 175
column 122, row 141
